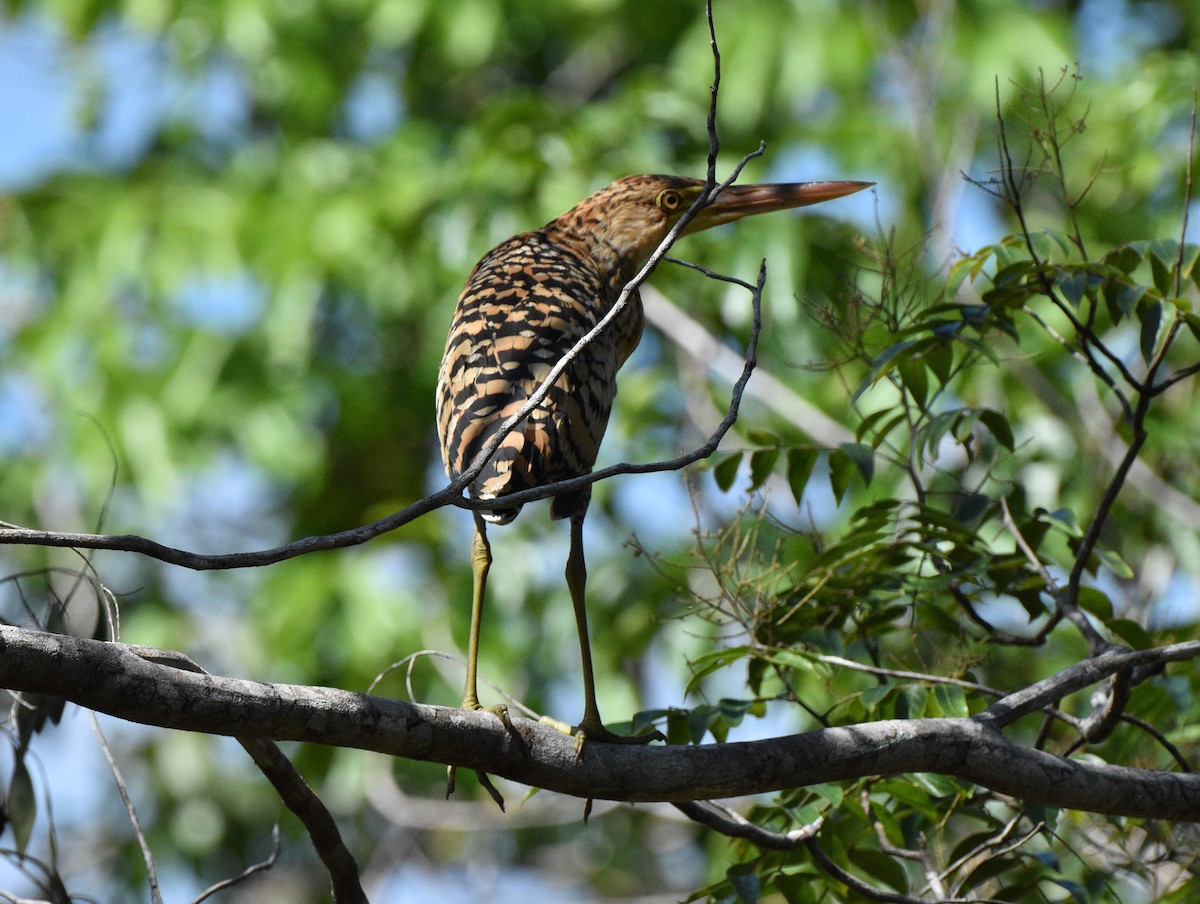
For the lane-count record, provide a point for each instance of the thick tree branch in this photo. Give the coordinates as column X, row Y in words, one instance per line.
column 112, row 678
column 292, row 789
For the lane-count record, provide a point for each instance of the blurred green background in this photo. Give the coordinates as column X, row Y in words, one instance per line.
column 231, row 236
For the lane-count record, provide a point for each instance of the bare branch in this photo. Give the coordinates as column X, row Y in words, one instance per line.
column 722, row 819
column 295, row 793
column 1080, row 675
column 113, row 678
column 247, row 872
column 823, row 860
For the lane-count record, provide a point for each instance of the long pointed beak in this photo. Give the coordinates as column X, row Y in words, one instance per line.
column 739, row 201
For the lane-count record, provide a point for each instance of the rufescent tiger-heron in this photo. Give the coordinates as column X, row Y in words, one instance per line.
column 524, row 306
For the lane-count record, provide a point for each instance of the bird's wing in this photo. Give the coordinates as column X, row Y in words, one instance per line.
column 525, row 305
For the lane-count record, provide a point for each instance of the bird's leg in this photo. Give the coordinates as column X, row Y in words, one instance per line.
column 590, row 728
column 481, row 561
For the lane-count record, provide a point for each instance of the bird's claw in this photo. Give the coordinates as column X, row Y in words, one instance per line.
column 500, row 711
column 596, row 732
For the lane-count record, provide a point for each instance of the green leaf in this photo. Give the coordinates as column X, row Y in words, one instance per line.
column 833, row 794
column 1187, row 264
column 1096, row 602
column 1078, row 892
column 968, row 507
column 1044, row 239
column 762, row 462
column 714, row 660
column 22, row 805
column 1131, row 632
column 763, row 438
column 1126, row 258
column 725, row 471
column 645, row 719
column 958, row 273
column 841, row 469
column 734, row 711
column 916, row 380
column 790, row 658
column 744, row 881
column 800, row 464
column 998, row 424
column 863, row 458
column 880, row 866
column 1064, row 520
column 876, row 694
column 1193, row 323
column 916, row 700
column 1151, row 318
column 1115, row 563
column 1124, row 298
column 1073, row 284
column 1162, row 263
column 700, row 719
column 796, row 888
column 940, row 360
column 951, row 700
column 678, row 727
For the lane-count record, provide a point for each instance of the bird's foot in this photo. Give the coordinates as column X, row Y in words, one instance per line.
column 594, row 730
column 501, row 712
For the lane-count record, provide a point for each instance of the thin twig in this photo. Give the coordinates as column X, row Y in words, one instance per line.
column 1078, row 676
column 247, row 872
column 131, row 810
column 823, row 860
column 720, row 818
column 449, row 495
column 1010, row 524
column 1174, row 751
column 906, row 675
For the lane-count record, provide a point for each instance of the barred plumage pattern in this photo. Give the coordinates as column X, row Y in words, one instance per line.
column 524, row 306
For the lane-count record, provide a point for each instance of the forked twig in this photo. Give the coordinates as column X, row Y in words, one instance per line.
column 452, row 493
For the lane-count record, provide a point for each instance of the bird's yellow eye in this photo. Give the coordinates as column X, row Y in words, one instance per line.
column 669, row 199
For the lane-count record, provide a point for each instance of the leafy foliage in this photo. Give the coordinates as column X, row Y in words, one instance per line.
column 231, row 336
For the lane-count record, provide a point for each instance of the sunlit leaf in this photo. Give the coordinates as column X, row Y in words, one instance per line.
column 951, row 700
column 1115, row 563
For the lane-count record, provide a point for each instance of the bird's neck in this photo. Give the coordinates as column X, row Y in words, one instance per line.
column 589, row 240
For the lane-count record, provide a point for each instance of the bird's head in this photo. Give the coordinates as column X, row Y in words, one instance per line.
column 625, row 221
